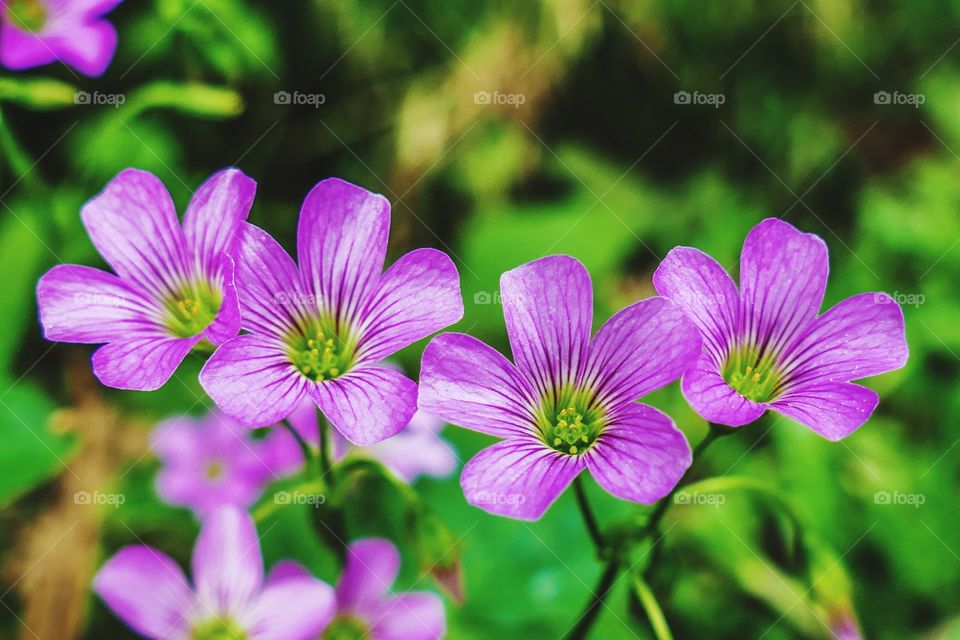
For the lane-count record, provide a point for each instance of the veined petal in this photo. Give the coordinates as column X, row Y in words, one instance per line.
column 548, row 308
column 272, row 299
column 134, row 226
column 410, row 616
column 367, row 404
column 215, row 216
column 859, row 337
column 227, row 566
column 86, row 305
column 471, row 385
column 252, row 380
column 147, row 591
column 518, row 478
column 715, row 400
column 832, row 409
column 227, row 322
column 341, row 246
column 705, row 292
column 783, row 275
column 640, row 456
column 140, row 364
column 642, row 348
column 88, row 47
column 296, row 608
column 418, row 295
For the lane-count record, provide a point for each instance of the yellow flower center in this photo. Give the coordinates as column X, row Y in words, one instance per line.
column 28, row 15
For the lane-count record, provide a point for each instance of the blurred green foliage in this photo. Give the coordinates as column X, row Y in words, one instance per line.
column 598, row 162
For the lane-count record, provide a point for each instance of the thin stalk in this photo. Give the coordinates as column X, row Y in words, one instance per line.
column 658, row 622
column 589, row 520
column 325, row 454
column 589, row 615
column 304, row 445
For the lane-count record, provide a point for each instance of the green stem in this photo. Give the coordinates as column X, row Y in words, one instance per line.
column 326, row 455
column 19, row 160
column 658, row 621
column 589, row 520
column 589, row 615
column 304, row 445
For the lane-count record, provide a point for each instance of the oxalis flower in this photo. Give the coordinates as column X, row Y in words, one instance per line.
column 568, row 402
column 364, row 609
column 228, row 598
column 212, row 461
column 765, row 347
column 38, row 32
column 320, row 330
column 174, row 285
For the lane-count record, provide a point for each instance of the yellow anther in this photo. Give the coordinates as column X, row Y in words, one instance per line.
column 557, row 441
column 573, row 449
column 310, row 342
column 334, row 371
column 315, row 352
column 756, row 377
column 584, row 438
column 749, row 369
column 330, row 342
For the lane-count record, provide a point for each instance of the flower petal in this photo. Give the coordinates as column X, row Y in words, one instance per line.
column 411, row 453
column 341, row 245
column 715, row 400
column 295, row 608
column 548, row 308
column 642, row 348
column 22, row 50
column 268, row 283
column 140, row 364
column 86, row 305
column 640, row 456
column 471, row 385
column 832, row 409
column 226, row 564
column 410, row 616
column 418, row 295
column 227, row 323
column 705, row 292
column 371, row 567
column 286, row 570
column 859, row 337
column 367, row 404
column 216, row 214
column 147, row 591
column 518, row 478
column 252, row 380
column 783, row 274
column 88, row 47
column 134, row 226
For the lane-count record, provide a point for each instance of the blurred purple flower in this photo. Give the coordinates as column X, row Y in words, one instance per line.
column 320, row 330
column 37, row 32
column 417, row 450
column 228, row 598
column 210, row 462
column 174, row 285
column 365, row 609
column 568, row 402
column 765, row 347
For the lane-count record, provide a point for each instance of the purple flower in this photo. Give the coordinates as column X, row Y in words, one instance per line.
column 211, row 462
column 320, row 330
column 568, row 402
column 765, row 347
column 37, row 32
column 365, row 609
column 174, row 285
column 417, row 450
column 228, row 598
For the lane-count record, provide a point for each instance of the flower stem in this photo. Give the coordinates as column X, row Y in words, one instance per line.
column 654, row 613
column 589, row 520
column 304, row 446
column 600, row 592
column 325, row 455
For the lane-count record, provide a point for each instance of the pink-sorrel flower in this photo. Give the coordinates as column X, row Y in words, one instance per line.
column 38, row 32
column 320, row 331
column 568, row 402
column 174, row 285
column 228, row 597
column 765, row 347
column 211, row 462
column 417, row 450
column 365, row 608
